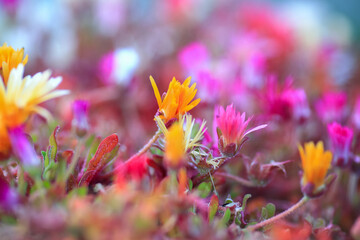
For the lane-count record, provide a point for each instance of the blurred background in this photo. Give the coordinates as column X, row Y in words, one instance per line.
column 107, row 49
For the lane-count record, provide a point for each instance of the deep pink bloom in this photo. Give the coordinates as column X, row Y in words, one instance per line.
column 194, row 57
column 285, row 101
column 332, row 107
column 22, row 147
column 340, row 142
column 233, row 129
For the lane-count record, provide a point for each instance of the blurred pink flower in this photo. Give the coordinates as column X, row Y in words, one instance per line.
column 356, row 114
column 8, row 196
column 287, row 102
column 232, row 129
column 209, row 87
column 119, row 66
column 332, row 107
column 194, row 57
column 80, row 120
column 340, row 143
column 22, row 147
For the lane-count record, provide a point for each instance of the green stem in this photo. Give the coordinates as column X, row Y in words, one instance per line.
column 276, row 218
column 22, row 185
column 146, row 146
column 353, row 179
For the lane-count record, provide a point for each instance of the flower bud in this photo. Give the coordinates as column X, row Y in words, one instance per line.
column 80, row 120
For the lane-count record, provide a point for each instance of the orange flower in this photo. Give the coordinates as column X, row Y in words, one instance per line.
column 174, row 145
column 10, row 59
column 315, row 163
column 177, row 100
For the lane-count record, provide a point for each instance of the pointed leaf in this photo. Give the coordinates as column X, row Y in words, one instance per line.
column 53, row 146
column 227, row 216
column 213, row 207
column 100, row 158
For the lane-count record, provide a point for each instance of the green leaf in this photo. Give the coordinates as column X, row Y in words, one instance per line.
column 227, row 216
column 92, row 149
column 190, row 185
column 264, row 213
column 52, row 150
column 237, row 219
column 45, row 158
column 245, row 199
column 270, row 207
column 204, row 189
column 213, row 207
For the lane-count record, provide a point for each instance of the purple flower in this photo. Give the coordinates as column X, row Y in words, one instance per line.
column 22, row 147
column 340, row 142
column 80, row 120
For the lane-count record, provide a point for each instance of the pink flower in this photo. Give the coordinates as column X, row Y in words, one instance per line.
column 232, row 128
column 332, row 107
column 22, row 147
column 340, row 142
column 285, row 101
column 210, row 87
column 356, row 114
column 80, row 121
column 194, row 57
column 298, row 103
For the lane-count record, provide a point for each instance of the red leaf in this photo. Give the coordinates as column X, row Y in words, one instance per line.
column 99, row 159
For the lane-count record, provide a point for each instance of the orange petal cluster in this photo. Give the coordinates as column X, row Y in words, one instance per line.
column 315, row 163
column 177, row 100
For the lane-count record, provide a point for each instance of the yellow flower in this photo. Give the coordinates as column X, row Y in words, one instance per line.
column 192, row 135
column 315, row 163
column 177, row 100
column 20, row 98
column 174, row 145
column 10, row 59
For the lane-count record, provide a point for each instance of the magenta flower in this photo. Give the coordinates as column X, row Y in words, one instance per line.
column 298, row 103
column 356, row 114
column 285, row 101
column 80, row 121
column 194, row 57
column 22, row 147
column 210, row 87
column 332, row 107
column 232, row 128
column 340, row 143
column 9, row 198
